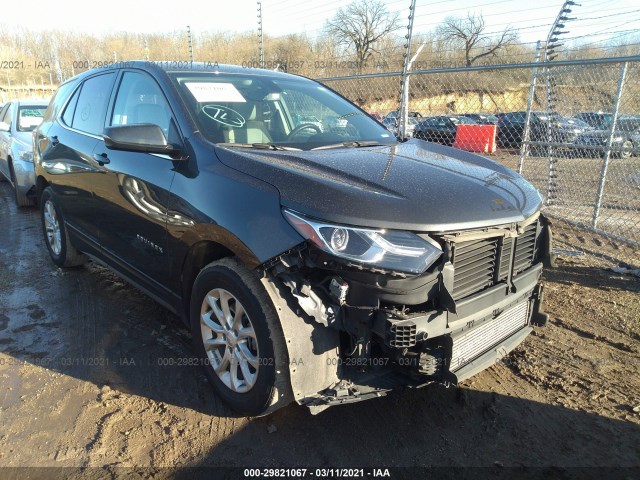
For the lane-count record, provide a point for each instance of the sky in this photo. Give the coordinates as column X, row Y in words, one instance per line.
column 597, row 19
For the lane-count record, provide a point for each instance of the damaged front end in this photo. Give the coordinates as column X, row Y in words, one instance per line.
column 360, row 319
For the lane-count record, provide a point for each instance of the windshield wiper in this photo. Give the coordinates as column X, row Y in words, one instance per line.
column 351, row 144
column 262, row 146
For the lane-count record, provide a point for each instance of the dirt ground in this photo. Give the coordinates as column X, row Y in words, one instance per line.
column 93, row 374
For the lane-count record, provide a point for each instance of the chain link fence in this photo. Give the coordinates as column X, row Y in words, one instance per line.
column 571, row 128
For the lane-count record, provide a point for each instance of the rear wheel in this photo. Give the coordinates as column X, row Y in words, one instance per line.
column 61, row 250
column 237, row 335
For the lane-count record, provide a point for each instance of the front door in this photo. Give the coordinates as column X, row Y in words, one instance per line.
column 133, row 194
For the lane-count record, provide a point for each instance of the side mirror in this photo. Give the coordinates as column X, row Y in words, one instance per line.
column 4, row 127
column 146, row 137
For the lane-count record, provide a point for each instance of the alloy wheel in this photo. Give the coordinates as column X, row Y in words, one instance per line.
column 229, row 340
column 52, row 226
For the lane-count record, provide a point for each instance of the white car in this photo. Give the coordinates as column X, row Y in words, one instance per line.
column 18, row 119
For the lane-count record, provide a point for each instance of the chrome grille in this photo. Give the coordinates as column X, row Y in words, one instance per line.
column 479, row 264
column 469, row 345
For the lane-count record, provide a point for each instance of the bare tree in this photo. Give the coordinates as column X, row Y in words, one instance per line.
column 469, row 33
column 361, row 25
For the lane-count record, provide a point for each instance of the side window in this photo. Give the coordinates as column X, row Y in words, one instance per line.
column 91, row 108
column 58, row 100
column 140, row 100
column 67, row 116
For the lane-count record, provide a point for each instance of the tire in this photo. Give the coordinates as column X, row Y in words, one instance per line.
column 56, row 237
column 21, row 200
column 250, row 354
column 626, row 154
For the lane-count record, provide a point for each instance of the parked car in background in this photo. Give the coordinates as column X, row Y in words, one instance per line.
column 390, row 124
column 18, row 119
column 598, row 120
column 322, row 267
column 376, row 115
column 411, row 125
column 482, row 118
column 626, row 136
column 511, row 127
column 564, row 129
column 396, row 114
column 393, row 125
column 543, row 127
column 440, row 129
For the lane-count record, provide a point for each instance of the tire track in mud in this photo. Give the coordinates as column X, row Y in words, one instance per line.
column 549, row 403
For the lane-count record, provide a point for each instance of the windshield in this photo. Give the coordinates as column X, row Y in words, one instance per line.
column 29, row 117
column 247, row 109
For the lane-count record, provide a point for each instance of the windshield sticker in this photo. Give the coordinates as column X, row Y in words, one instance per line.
column 214, row 92
column 224, row 115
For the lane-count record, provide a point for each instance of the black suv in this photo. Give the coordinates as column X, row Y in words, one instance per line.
column 313, row 265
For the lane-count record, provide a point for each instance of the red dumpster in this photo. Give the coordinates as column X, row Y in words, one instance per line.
column 476, row 138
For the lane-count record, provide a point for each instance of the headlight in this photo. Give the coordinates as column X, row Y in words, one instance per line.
column 386, row 249
column 25, row 155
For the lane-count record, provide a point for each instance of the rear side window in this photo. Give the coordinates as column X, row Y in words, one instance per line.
column 67, row 116
column 91, row 108
column 58, row 100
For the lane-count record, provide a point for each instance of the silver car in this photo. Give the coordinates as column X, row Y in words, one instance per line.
column 18, row 119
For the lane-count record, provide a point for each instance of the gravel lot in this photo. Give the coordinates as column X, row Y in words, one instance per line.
column 92, row 375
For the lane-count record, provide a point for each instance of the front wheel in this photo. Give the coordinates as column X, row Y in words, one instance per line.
column 21, row 199
column 61, row 250
column 238, row 337
column 626, row 152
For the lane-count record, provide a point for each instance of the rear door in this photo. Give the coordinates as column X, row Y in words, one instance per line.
column 132, row 196
column 67, row 155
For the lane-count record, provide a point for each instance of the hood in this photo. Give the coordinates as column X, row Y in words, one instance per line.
column 415, row 185
column 602, row 134
column 24, row 139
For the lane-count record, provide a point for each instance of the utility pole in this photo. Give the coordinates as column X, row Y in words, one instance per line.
column 190, row 43
column 550, row 53
column 260, row 35
column 404, row 83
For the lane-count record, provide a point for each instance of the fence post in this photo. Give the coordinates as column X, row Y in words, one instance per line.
column 260, row 37
column 524, row 146
column 607, row 149
column 404, row 83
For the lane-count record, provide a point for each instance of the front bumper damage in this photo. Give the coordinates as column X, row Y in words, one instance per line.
column 354, row 335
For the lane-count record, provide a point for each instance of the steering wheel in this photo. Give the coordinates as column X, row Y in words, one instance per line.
column 301, row 127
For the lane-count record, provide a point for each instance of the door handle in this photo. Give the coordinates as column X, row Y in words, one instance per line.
column 101, row 158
